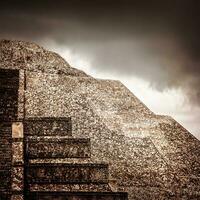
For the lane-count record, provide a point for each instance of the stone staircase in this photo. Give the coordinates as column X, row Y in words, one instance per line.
column 58, row 166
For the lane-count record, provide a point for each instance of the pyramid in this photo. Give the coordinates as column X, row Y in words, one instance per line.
column 66, row 135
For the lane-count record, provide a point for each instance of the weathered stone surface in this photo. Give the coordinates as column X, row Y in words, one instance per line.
column 58, row 148
column 122, row 130
column 17, row 178
column 9, row 79
column 61, row 160
column 8, row 104
column 17, row 153
column 86, row 187
column 78, row 196
column 5, row 145
column 17, row 130
column 5, row 158
column 67, row 173
column 17, row 197
column 9, row 84
column 5, row 175
column 30, row 56
column 48, row 127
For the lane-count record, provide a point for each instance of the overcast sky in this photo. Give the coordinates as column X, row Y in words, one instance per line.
column 153, row 47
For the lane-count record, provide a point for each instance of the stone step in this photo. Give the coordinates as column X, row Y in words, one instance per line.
column 81, row 187
column 77, row 196
column 40, row 147
column 61, row 160
column 64, row 173
column 48, row 126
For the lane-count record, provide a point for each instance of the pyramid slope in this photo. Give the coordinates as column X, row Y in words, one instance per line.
column 146, row 151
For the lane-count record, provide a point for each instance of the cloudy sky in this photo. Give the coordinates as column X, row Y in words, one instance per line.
column 152, row 46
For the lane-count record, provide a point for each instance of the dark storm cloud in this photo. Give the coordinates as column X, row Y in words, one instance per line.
column 154, row 40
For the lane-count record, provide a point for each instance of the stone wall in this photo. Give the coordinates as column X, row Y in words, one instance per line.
column 9, row 83
column 5, row 159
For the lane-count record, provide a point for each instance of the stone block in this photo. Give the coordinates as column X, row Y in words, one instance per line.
column 17, row 178
column 48, row 126
column 67, row 173
column 58, row 148
column 17, row 153
column 17, row 130
column 81, row 187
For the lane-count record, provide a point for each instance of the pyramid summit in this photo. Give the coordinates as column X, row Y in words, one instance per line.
column 67, row 135
column 30, row 56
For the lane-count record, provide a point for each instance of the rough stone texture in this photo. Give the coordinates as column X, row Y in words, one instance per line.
column 17, row 153
column 79, row 196
column 67, row 173
column 143, row 149
column 150, row 156
column 9, row 83
column 30, row 56
column 17, row 130
column 58, row 162
column 86, row 187
column 17, row 197
column 58, row 148
column 48, row 127
column 21, row 97
column 9, row 79
column 123, row 131
column 17, row 178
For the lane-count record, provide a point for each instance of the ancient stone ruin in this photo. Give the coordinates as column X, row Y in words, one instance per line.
column 68, row 136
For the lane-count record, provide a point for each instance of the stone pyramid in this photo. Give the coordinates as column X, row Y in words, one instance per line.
column 66, row 135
